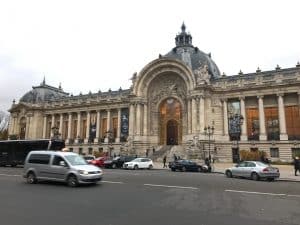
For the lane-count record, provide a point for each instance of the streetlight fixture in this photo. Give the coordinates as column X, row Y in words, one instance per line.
column 237, row 121
column 209, row 131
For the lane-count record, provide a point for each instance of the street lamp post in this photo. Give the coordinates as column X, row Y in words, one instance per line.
column 209, row 131
column 237, row 121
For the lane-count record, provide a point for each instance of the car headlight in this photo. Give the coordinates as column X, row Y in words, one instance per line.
column 84, row 172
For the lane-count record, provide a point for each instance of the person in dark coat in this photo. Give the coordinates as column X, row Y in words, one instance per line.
column 164, row 161
column 297, row 165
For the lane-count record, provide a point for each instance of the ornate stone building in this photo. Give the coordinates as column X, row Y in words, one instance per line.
column 170, row 103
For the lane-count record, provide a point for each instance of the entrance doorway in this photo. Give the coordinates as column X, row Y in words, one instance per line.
column 170, row 122
column 172, row 132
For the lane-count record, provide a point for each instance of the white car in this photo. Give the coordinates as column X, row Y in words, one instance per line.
column 253, row 169
column 139, row 163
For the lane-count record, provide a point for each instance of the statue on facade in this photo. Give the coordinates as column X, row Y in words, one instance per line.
column 133, row 79
column 202, row 75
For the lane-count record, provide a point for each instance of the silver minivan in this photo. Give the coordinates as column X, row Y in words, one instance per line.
column 66, row 167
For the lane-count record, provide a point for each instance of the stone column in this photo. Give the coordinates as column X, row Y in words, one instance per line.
column 145, row 127
column 282, row 123
column 262, row 126
column 27, row 127
column 52, row 125
column 44, row 126
column 131, row 120
column 119, row 126
column 61, row 125
column 244, row 136
column 96, row 140
column 225, row 118
column 189, row 117
column 194, row 116
column 69, row 128
column 88, row 126
column 138, row 119
column 201, row 114
column 78, row 133
column 107, row 125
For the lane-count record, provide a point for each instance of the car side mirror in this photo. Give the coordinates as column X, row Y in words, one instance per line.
column 62, row 163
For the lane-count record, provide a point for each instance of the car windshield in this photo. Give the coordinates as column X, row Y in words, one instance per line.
column 136, row 160
column 75, row 160
column 88, row 157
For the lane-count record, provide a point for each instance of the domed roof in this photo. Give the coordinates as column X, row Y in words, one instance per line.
column 190, row 55
column 43, row 93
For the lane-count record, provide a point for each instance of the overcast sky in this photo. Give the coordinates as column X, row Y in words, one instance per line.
column 96, row 45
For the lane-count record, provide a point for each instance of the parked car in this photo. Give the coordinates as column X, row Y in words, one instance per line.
column 117, row 162
column 99, row 161
column 139, row 163
column 188, row 165
column 255, row 170
column 66, row 167
column 89, row 158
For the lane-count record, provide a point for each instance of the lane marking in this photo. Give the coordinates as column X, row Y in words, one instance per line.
column 112, row 182
column 168, row 186
column 261, row 193
column 9, row 175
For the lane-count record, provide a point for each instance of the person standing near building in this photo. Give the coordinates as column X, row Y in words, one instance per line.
column 296, row 165
column 164, row 161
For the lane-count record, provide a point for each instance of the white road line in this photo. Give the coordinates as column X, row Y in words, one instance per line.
column 112, row 182
column 297, row 196
column 257, row 193
column 167, row 186
column 9, row 175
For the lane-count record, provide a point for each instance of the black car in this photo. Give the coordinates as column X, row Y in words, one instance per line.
column 188, row 165
column 118, row 161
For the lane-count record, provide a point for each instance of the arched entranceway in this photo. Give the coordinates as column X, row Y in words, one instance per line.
column 170, row 122
column 172, row 132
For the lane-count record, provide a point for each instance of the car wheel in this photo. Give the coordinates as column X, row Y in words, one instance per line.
column 114, row 166
column 72, row 181
column 254, row 176
column 183, row 169
column 271, row 179
column 31, row 178
column 173, row 169
column 228, row 174
column 150, row 167
column 135, row 167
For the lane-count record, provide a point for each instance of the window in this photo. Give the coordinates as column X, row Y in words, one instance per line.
column 252, row 124
column 295, row 152
column 80, row 151
column 71, row 149
column 90, row 151
column 274, row 152
column 272, row 123
column 56, row 160
column 292, row 118
column 39, row 158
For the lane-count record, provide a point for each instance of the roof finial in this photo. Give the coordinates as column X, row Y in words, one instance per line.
column 183, row 27
column 44, row 81
column 59, row 87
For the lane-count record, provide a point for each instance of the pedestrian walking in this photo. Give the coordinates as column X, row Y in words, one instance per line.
column 175, row 157
column 297, row 165
column 164, row 161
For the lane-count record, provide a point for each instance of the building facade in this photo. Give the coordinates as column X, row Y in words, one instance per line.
column 175, row 100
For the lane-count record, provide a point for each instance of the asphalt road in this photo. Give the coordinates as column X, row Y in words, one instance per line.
column 149, row 197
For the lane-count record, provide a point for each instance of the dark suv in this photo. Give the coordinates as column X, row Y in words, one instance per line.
column 118, row 162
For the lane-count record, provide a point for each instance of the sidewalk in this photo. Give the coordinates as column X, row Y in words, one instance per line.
column 286, row 171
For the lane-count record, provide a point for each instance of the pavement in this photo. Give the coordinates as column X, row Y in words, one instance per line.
column 286, row 171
